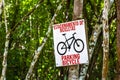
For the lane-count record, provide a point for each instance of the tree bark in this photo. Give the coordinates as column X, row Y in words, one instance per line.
column 1, row 8
column 77, row 14
column 78, row 9
column 4, row 63
column 105, row 40
column 92, row 43
column 118, row 40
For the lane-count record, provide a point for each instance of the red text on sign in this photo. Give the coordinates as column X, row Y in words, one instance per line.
column 69, row 26
column 70, row 59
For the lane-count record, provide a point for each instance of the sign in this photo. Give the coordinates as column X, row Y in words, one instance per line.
column 70, row 47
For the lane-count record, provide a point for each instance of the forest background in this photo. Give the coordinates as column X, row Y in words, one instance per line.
column 26, row 38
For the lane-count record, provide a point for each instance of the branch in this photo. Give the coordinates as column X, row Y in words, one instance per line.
column 4, row 63
column 1, row 8
column 92, row 43
column 94, row 57
column 112, row 17
column 67, row 10
column 38, row 51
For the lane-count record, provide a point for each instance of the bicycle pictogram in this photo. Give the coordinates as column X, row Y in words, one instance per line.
column 78, row 45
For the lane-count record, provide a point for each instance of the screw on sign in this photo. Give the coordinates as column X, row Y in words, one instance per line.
column 78, row 45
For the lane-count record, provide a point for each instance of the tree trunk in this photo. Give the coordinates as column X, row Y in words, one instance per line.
column 105, row 40
column 118, row 40
column 1, row 6
column 78, row 9
column 77, row 13
column 92, row 43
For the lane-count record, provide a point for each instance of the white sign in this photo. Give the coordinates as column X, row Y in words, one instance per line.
column 70, row 47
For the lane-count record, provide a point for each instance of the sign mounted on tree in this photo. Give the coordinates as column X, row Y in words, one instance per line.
column 70, row 45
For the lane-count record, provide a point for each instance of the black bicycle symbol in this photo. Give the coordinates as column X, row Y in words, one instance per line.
column 78, row 45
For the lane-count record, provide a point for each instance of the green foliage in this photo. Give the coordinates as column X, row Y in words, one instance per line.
column 28, row 36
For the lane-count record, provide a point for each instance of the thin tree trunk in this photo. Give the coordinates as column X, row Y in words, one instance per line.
column 92, row 43
column 38, row 51
column 78, row 9
column 105, row 40
column 77, row 13
column 1, row 8
column 118, row 40
column 4, row 63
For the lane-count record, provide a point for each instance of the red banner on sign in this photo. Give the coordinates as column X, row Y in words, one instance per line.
column 70, row 59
